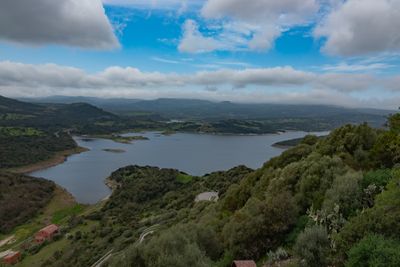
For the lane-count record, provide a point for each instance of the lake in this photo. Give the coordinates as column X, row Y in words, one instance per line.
column 83, row 174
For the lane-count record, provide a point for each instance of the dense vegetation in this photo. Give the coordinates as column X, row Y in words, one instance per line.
column 297, row 141
column 21, row 197
column 30, row 133
column 143, row 197
column 326, row 202
column 78, row 118
column 23, row 146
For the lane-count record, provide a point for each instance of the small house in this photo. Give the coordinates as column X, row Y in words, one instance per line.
column 12, row 258
column 246, row 263
column 47, row 233
column 207, row 196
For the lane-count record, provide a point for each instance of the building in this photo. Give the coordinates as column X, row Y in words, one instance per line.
column 12, row 258
column 46, row 233
column 207, row 196
column 243, row 264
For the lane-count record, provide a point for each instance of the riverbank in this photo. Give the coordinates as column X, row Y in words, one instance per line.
column 58, row 158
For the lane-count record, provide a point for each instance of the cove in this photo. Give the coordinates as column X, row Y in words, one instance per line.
column 83, row 174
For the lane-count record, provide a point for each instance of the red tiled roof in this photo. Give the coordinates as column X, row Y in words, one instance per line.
column 244, row 264
column 50, row 229
column 12, row 255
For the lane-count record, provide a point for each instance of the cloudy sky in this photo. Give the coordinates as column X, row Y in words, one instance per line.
column 341, row 52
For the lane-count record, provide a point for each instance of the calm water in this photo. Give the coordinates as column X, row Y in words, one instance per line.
column 197, row 154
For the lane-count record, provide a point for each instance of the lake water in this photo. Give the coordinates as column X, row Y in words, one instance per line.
column 83, row 174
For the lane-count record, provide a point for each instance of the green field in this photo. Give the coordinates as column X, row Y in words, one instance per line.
column 20, row 131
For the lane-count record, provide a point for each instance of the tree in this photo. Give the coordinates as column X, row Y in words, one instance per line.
column 383, row 219
column 394, row 123
column 386, row 151
column 260, row 225
column 171, row 248
column 346, row 193
column 312, row 247
column 375, row 251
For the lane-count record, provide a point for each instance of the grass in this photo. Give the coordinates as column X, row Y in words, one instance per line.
column 60, row 215
column 60, row 208
column 184, row 178
column 58, row 205
column 45, row 253
column 48, row 250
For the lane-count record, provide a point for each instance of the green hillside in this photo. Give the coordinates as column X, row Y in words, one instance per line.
column 326, row 202
column 31, row 133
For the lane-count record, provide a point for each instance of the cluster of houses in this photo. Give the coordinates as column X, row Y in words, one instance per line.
column 47, row 233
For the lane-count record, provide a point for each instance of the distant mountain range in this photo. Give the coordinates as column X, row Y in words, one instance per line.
column 202, row 109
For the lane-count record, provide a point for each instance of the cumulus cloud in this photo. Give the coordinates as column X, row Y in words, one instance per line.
column 80, row 23
column 280, row 76
column 361, row 27
column 279, row 84
column 56, row 76
column 286, row 12
column 195, row 42
column 250, row 25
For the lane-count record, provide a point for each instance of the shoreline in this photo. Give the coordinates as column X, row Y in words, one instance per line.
column 56, row 159
column 113, row 185
column 281, row 146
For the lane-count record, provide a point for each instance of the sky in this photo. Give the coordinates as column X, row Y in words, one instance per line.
column 336, row 52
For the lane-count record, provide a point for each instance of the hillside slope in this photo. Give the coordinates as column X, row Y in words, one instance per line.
column 325, row 202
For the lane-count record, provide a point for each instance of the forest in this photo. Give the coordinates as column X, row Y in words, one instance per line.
column 21, row 198
column 325, row 202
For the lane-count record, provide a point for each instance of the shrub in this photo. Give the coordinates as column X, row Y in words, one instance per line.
column 379, row 178
column 375, row 251
column 312, row 247
column 278, row 255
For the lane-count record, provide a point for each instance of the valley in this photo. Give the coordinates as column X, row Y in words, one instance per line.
column 269, row 186
column 200, row 133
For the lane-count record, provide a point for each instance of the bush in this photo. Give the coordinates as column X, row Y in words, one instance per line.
column 379, row 178
column 345, row 192
column 312, row 247
column 383, row 219
column 375, row 251
column 278, row 255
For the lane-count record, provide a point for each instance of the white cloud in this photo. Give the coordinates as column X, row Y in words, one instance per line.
column 347, row 82
column 165, row 60
column 283, row 12
column 361, row 27
column 280, row 76
column 179, row 5
column 345, row 67
column 80, row 23
column 250, row 25
column 194, row 42
column 278, row 85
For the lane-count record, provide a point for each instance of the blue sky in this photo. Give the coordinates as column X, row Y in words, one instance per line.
column 309, row 51
column 149, row 41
